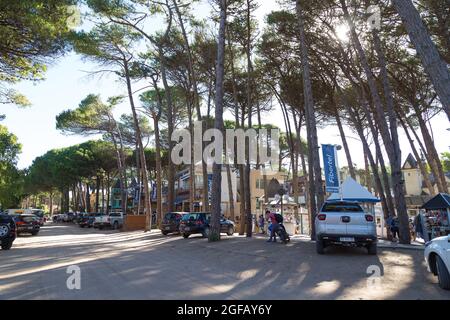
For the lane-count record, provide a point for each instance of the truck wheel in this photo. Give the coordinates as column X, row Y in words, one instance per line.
column 443, row 274
column 7, row 245
column 372, row 249
column 320, row 248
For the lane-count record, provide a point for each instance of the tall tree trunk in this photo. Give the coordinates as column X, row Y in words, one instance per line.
column 170, row 126
column 193, row 83
column 238, row 125
column 248, row 199
column 120, row 166
column 346, row 148
column 430, row 159
column 97, row 193
column 431, row 148
column 230, row 192
column 108, row 192
column 368, row 176
column 103, row 194
column 433, row 64
column 389, row 142
column 156, row 118
column 51, row 203
column 315, row 172
column 148, row 202
column 368, row 153
column 423, row 170
column 216, row 197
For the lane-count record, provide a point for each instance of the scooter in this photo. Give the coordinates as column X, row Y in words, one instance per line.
column 283, row 235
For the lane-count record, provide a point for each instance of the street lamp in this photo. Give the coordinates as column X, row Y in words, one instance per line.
column 281, row 192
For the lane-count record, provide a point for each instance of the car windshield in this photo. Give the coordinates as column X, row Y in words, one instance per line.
column 342, row 207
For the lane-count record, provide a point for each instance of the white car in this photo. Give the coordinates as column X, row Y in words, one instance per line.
column 437, row 256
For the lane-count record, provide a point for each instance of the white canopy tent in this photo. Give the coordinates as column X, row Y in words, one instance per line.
column 353, row 191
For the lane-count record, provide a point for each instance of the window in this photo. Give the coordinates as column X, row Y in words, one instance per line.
column 258, row 203
column 342, row 207
column 260, row 184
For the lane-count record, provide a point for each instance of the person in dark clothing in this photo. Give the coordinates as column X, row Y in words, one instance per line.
column 261, row 223
column 395, row 228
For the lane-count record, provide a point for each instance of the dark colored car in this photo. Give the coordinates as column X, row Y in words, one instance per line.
column 198, row 223
column 86, row 220
column 40, row 214
column 27, row 223
column 171, row 222
column 7, row 231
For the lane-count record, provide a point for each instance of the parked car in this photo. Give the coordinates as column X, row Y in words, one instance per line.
column 171, row 222
column 86, row 220
column 69, row 217
column 345, row 223
column 198, row 223
column 40, row 214
column 27, row 223
column 113, row 220
column 437, row 256
column 7, row 231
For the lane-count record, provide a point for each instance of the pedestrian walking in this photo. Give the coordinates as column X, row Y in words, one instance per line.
column 274, row 227
column 261, row 224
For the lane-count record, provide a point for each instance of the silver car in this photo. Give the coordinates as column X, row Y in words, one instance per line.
column 345, row 223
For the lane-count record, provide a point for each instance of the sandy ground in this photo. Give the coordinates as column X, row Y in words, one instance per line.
column 135, row 265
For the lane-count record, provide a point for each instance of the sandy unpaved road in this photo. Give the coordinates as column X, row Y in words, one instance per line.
column 149, row 266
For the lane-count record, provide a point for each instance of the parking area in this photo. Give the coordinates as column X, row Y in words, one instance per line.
column 136, row 265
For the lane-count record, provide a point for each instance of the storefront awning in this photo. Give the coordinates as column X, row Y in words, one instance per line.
column 440, row 202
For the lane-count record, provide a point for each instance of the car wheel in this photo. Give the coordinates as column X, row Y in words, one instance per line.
column 185, row 235
column 100, row 228
column 230, row 231
column 116, row 225
column 7, row 245
column 34, row 233
column 372, row 249
column 205, row 233
column 443, row 274
column 165, row 233
column 320, row 247
column 4, row 230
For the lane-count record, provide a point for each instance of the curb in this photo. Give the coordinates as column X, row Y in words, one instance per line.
column 380, row 245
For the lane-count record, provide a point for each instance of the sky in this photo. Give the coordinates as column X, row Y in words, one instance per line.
column 67, row 84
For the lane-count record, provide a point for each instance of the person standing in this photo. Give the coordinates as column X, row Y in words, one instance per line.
column 261, row 223
column 274, row 228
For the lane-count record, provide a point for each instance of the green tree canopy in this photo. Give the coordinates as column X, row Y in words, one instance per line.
column 32, row 33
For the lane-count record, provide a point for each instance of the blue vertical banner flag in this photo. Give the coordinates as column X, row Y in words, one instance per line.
column 330, row 164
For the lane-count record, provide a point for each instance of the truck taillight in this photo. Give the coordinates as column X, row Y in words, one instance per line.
column 322, row 217
column 369, row 218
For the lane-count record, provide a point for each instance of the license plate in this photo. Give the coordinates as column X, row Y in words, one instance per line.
column 347, row 239
column 167, row 228
column 187, row 229
column 30, row 228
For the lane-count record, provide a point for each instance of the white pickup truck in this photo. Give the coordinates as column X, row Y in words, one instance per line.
column 114, row 220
